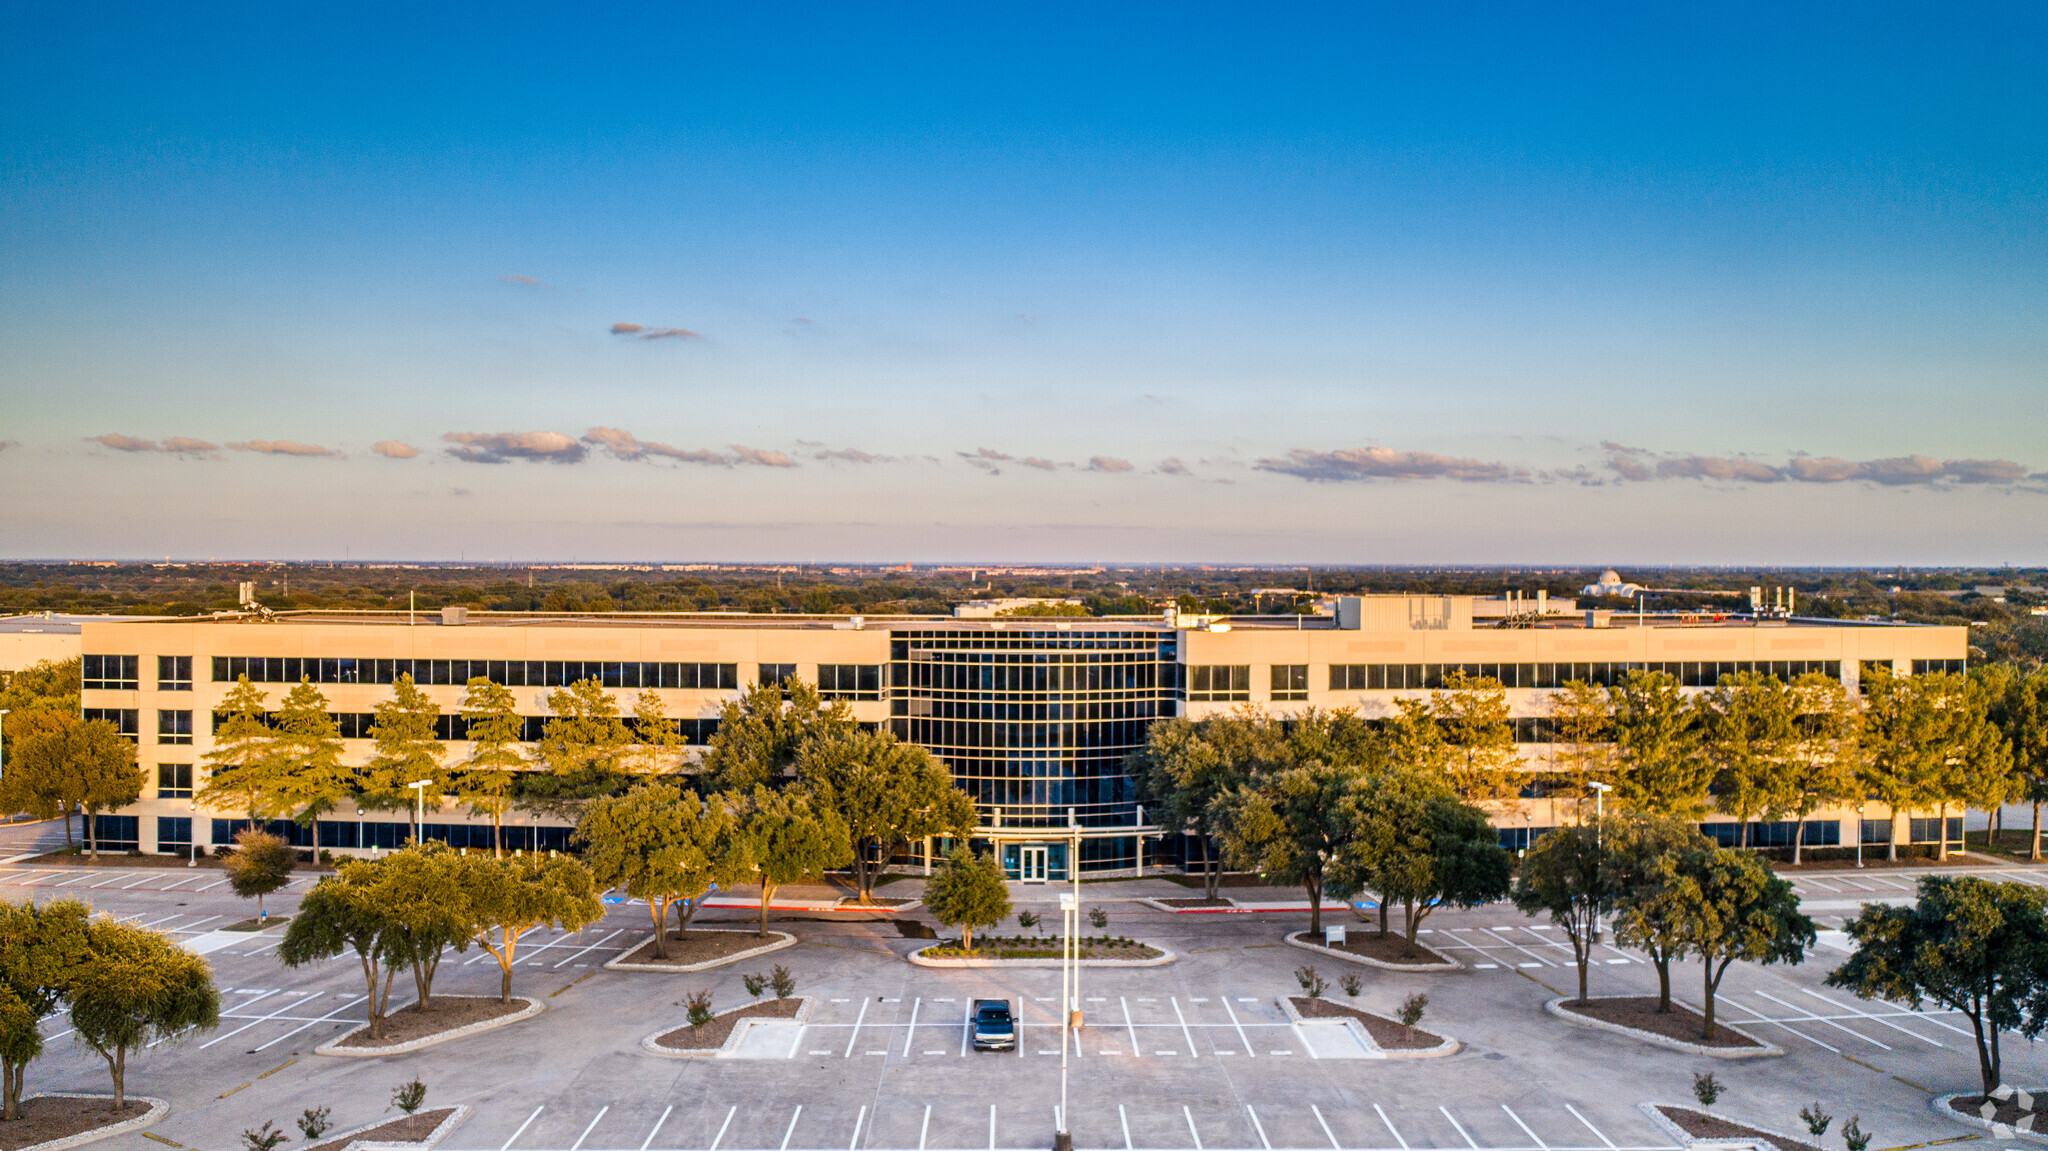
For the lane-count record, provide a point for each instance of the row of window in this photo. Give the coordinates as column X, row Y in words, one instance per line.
column 1046, row 678
column 1431, row 676
column 457, row 672
column 123, row 673
column 1819, row 833
column 1219, row 683
column 1034, row 640
column 450, row 727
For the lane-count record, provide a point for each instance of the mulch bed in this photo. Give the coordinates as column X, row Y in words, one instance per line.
column 854, row 903
column 698, row 947
column 1042, row 947
column 1217, row 902
column 2008, row 1112
column 1640, row 1012
column 449, row 1013
column 1390, row 948
column 1700, row 1125
column 254, row 924
column 712, row 1035
column 404, row 1129
column 45, row 1119
column 1388, row 1033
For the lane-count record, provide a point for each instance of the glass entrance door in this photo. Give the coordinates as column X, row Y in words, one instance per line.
column 1032, row 860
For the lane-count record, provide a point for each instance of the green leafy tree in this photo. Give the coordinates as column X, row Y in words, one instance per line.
column 1644, row 855
column 2022, row 714
column 38, row 782
column 1930, row 741
column 41, row 950
column 1659, row 767
column 309, row 778
column 67, row 764
column 788, row 837
column 1730, row 906
column 666, row 846
column 406, row 747
column 1292, row 824
column 261, row 864
column 49, row 685
column 657, row 741
column 885, row 791
column 1968, row 944
column 1981, row 760
column 510, row 897
column 1582, row 751
column 1826, row 751
column 343, row 915
column 1415, row 740
column 1479, row 739
column 761, row 735
column 489, row 779
column 1746, row 729
column 1565, row 873
column 585, row 746
column 1186, row 764
column 1445, row 853
column 968, row 891
column 239, row 767
column 421, row 891
column 136, row 988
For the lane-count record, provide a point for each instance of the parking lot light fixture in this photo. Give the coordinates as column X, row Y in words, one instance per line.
column 419, row 806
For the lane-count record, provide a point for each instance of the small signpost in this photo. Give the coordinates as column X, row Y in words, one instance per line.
column 1333, row 936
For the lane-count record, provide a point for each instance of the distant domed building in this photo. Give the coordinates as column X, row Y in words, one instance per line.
column 1611, row 584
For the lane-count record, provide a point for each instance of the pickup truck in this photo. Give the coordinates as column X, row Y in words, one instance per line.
column 994, row 1028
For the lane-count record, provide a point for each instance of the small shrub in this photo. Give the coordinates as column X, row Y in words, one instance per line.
column 1351, row 984
column 1312, row 982
column 1411, row 1011
column 313, row 1124
column 1097, row 917
column 1705, row 1088
column 1816, row 1120
column 755, row 984
column 263, row 1138
column 700, row 1008
column 1027, row 919
column 1854, row 1135
column 782, row 982
column 409, row 1096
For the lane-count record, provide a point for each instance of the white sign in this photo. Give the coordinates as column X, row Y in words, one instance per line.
column 1067, row 901
column 1334, row 936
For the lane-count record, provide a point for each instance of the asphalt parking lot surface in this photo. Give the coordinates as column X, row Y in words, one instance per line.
column 1194, row 1055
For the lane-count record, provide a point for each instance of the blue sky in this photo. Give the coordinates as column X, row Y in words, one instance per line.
column 1359, row 283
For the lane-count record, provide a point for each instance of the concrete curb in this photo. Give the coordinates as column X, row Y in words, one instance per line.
column 333, row 1046
column 786, row 940
column 1294, row 939
column 1449, row 1046
column 441, row 1131
column 1940, row 1106
column 1764, row 1051
column 158, row 1108
column 732, row 1041
column 1688, row 1140
column 1164, row 957
column 1160, row 905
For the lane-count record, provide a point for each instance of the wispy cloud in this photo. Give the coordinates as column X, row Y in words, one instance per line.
column 1348, row 464
column 282, row 448
column 852, row 456
column 1108, row 464
column 172, row 445
column 1718, row 468
column 1171, row 466
column 643, row 332
column 504, row 447
column 524, row 281
column 394, row 450
column 1637, row 464
column 624, row 445
column 761, row 458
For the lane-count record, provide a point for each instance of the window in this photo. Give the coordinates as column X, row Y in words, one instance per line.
column 1521, row 838
column 457, row 672
column 1290, row 682
column 850, row 680
column 174, row 781
column 1877, row 830
column 174, row 673
column 1929, row 830
column 173, row 726
column 1223, row 683
column 173, row 831
column 124, row 719
column 775, row 673
column 116, row 832
column 111, row 673
column 1927, row 666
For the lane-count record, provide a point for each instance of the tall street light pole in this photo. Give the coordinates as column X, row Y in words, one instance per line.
column 1600, row 791
column 419, row 806
column 3, row 746
column 1070, row 923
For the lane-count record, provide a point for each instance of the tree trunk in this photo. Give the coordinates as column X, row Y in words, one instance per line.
column 1315, row 906
column 1941, row 831
column 967, row 939
column 1663, row 965
column 1798, row 840
column 1212, row 877
column 1891, row 840
column 659, row 911
column 1413, row 923
column 1987, row 1053
column 686, row 910
column 2035, row 854
column 421, row 986
column 1744, row 840
column 67, row 829
column 1707, row 999
column 505, row 975
column 860, row 870
column 497, row 836
column 1584, row 948
column 1383, row 913
column 118, row 1064
column 92, row 833
column 10, row 1090
column 767, row 895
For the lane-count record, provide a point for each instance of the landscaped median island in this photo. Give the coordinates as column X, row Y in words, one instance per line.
column 718, row 1033
column 1387, row 1034
column 2008, row 1112
column 62, row 1117
column 1376, row 950
column 1039, row 951
column 422, row 1128
column 1681, row 1028
column 450, row 1017
column 700, row 949
column 1693, row 1126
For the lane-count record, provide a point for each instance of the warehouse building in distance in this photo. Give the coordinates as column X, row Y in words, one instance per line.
column 1033, row 716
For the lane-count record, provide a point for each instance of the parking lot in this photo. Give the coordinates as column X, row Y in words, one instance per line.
column 1194, row 1055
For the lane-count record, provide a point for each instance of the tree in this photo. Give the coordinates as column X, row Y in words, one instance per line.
column 885, row 791
column 65, row 763
column 308, row 778
column 788, row 837
column 136, row 987
column 1291, row 825
column 1982, row 759
column 968, row 891
column 261, row 864
column 1582, row 718
column 38, row 782
column 1565, row 873
column 1479, row 738
column 510, row 897
column 761, row 734
column 490, row 776
column 41, row 949
column 342, row 915
column 1659, row 766
column 1186, row 764
column 420, row 890
column 38, row 697
column 666, row 846
column 1826, row 751
column 238, row 773
column 2022, row 714
column 1445, row 853
column 657, row 741
column 1746, row 733
column 1730, row 906
column 406, row 743
column 1968, row 944
column 584, row 745
column 1643, row 855
column 1930, row 740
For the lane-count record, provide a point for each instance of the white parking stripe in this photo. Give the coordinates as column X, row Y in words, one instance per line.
column 855, row 1033
column 1831, row 1023
column 664, row 1118
column 1190, row 1035
column 910, row 1032
column 714, row 1139
column 1461, row 1128
column 1259, row 1127
column 1334, row 1145
column 578, row 1145
column 1854, row 1010
column 351, row 1002
column 523, row 1127
column 1589, row 1125
column 1129, row 1026
column 1185, row 1113
column 1389, row 1122
column 254, row 1022
column 1533, row 1137
column 1241, row 1036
